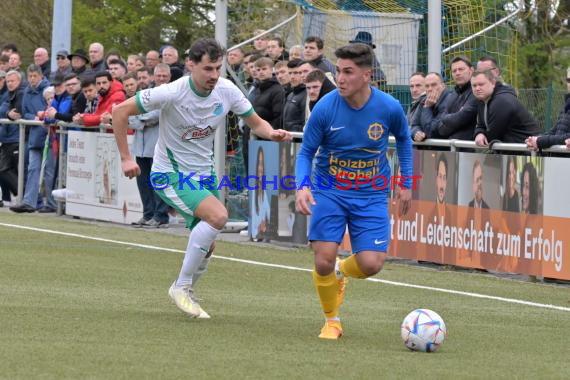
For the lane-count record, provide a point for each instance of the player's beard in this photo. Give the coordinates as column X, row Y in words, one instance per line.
column 210, row 84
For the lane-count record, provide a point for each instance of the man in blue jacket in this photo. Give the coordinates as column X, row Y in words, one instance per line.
column 33, row 103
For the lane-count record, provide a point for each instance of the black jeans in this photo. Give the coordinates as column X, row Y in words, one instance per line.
column 9, row 169
column 153, row 206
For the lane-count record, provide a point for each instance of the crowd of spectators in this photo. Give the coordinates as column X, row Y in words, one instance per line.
column 282, row 84
column 481, row 107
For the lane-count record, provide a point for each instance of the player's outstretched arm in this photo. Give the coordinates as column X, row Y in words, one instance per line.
column 121, row 115
column 264, row 130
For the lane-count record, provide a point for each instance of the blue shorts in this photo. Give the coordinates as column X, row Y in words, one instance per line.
column 367, row 219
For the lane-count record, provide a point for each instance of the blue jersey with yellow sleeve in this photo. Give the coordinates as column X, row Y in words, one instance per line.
column 352, row 143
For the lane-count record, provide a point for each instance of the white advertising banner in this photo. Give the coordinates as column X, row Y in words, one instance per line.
column 97, row 188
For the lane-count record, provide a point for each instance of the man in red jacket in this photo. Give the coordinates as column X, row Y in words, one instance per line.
column 111, row 92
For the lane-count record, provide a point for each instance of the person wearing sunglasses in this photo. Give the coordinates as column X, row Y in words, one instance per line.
column 63, row 65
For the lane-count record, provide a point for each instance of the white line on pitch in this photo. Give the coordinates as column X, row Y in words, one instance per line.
column 253, row 262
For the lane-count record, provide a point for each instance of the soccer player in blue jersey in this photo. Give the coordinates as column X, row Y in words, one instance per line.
column 348, row 131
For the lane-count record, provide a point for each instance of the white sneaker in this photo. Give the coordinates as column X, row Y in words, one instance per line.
column 184, row 300
column 61, row 194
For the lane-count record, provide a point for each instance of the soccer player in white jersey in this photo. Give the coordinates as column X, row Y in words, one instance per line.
column 183, row 168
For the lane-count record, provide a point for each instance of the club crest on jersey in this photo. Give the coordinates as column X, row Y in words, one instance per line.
column 375, row 131
column 195, row 133
column 218, row 109
column 145, row 97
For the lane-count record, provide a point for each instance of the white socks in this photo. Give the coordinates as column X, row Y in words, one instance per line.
column 195, row 262
column 200, row 271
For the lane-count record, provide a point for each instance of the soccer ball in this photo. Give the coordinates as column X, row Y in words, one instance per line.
column 423, row 330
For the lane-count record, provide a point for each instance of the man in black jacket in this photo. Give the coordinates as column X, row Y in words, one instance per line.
column 317, row 85
column 500, row 115
column 11, row 108
column 78, row 100
column 276, row 50
column 459, row 121
column 294, row 111
column 268, row 101
column 558, row 134
column 314, row 52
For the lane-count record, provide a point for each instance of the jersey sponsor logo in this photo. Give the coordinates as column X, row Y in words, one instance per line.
column 218, row 109
column 196, row 133
column 333, row 128
column 375, row 131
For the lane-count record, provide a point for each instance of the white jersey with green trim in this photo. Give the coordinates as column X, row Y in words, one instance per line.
column 188, row 122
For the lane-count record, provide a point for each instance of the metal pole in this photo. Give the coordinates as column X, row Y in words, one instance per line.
column 61, row 29
column 62, row 132
column 220, row 140
column 260, row 34
column 504, row 19
column 21, row 169
column 434, row 36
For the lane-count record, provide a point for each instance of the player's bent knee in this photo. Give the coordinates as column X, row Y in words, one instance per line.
column 372, row 268
column 324, row 265
column 218, row 219
column 371, row 262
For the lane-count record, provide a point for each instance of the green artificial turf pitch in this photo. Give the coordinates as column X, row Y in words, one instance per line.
column 77, row 308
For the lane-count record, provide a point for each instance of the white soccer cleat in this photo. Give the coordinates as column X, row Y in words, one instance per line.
column 183, row 298
column 203, row 314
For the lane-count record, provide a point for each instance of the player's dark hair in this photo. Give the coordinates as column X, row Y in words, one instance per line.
column 10, row 46
column 279, row 41
column 532, row 188
column 87, row 81
column 69, row 77
column 146, row 69
column 462, row 58
column 510, row 160
column 254, row 57
column 441, row 158
column 294, row 63
column 360, row 54
column 105, row 74
column 312, row 63
column 131, row 75
column 119, row 62
column 205, row 46
column 316, row 75
column 317, row 40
